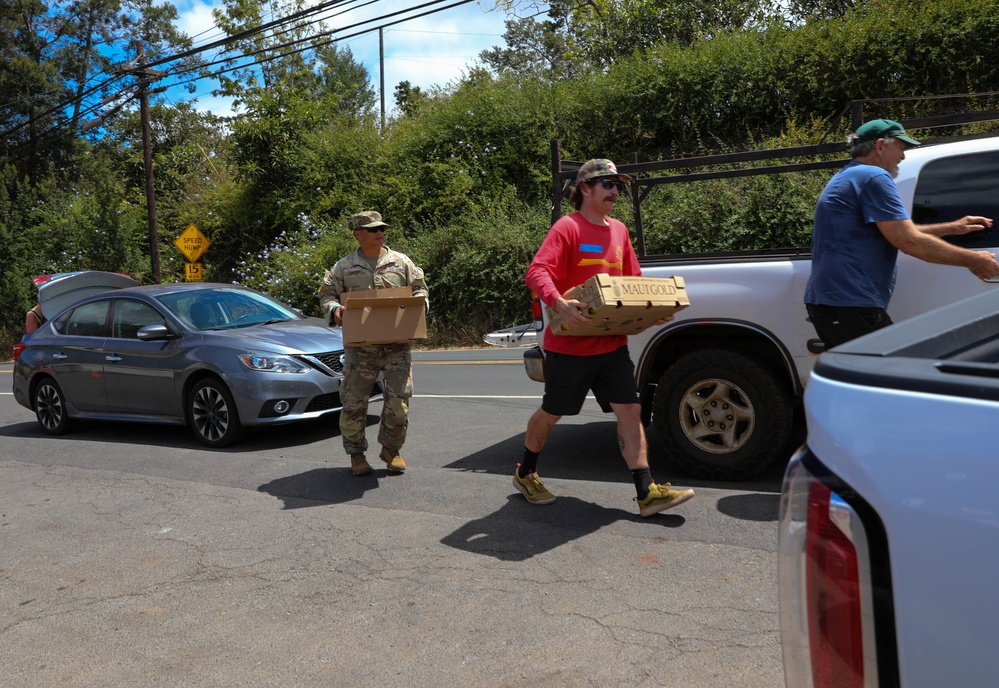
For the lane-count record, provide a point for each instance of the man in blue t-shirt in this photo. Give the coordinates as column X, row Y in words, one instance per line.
column 860, row 226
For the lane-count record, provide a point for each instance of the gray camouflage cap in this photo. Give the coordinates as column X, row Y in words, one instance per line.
column 369, row 218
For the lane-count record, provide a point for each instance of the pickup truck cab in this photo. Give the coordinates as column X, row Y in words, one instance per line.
column 889, row 524
column 722, row 383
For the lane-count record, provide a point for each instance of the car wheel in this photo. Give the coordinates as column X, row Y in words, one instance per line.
column 721, row 414
column 212, row 414
column 50, row 408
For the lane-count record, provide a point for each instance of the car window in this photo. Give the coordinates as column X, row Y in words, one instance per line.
column 60, row 323
column 225, row 307
column 950, row 188
column 131, row 315
column 89, row 320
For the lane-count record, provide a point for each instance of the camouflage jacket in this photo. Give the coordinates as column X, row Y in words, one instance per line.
column 353, row 273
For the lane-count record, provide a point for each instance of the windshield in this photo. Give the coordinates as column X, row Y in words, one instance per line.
column 225, row 307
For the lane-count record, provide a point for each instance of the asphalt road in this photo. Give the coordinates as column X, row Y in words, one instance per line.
column 133, row 556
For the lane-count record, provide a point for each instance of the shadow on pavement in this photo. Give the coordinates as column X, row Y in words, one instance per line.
column 519, row 531
column 294, row 434
column 751, row 507
column 589, row 451
column 574, row 452
column 323, row 486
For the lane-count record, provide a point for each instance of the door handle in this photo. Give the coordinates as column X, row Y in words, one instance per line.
column 112, row 357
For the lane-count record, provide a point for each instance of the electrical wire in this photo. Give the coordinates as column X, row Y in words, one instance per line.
column 279, row 50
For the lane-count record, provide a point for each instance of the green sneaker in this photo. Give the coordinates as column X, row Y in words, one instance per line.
column 532, row 488
column 660, row 498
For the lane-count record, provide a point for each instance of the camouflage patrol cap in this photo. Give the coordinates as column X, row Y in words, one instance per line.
column 599, row 167
column 369, row 218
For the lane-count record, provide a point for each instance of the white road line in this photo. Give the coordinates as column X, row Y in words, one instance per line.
column 472, row 396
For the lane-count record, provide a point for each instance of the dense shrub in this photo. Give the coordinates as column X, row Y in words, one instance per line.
column 464, row 175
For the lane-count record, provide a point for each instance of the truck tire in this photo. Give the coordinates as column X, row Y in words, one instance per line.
column 721, row 415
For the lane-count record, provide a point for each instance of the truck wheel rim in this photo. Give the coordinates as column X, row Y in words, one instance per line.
column 717, row 416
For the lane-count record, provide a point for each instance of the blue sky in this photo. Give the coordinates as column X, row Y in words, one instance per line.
column 428, row 51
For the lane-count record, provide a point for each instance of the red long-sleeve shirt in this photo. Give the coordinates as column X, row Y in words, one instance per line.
column 574, row 251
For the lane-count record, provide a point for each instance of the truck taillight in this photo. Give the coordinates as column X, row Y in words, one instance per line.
column 539, row 323
column 827, row 622
column 833, row 593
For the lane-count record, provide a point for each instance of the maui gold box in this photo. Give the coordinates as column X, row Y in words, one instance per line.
column 622, row 305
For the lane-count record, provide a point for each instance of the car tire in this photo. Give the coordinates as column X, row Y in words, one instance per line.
column 50, row 407
column 721, row 415
column 212, row 414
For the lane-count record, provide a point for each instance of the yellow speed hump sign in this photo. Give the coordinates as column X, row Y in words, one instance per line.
column 192, row 243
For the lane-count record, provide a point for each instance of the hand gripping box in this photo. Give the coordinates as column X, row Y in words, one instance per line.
column 622, row 305
column 383, row 316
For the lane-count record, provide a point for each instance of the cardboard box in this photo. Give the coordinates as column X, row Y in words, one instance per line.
column 622, row 305
column 383, row 316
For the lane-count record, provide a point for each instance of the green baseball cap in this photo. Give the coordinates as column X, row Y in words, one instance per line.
column 884, row 129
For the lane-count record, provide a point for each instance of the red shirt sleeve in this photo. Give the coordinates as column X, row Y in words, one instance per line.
column 550, row 262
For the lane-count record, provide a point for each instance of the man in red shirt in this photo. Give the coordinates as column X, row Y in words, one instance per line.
column 579, row 246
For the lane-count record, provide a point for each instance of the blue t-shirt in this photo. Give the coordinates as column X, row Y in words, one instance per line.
column 852, row 263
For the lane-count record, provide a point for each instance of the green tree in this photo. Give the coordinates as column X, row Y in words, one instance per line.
column 344, row 81
column 300, row 96
column 408, row 98
column 32, row 87
column 58, row 62
column 539, row 49
column 594, row 34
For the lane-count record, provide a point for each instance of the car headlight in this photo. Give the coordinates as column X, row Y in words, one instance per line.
column 273, row 363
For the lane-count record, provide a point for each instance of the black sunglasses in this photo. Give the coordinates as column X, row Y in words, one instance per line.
column 607, row 183
column 372, row 230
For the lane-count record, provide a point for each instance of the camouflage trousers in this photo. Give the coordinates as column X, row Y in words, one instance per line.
column 361, row 366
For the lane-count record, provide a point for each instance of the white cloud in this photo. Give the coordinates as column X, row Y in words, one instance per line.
column 217, row 105
column 197, row 22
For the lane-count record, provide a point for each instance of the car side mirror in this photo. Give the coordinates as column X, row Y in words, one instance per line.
column 151, row 333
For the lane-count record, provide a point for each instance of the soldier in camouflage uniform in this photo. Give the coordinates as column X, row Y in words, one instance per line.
column 372, row 266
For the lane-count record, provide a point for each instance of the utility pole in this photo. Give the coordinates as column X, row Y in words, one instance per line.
column 144, row 75
column 381, row 77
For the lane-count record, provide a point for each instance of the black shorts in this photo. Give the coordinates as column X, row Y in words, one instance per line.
column 568, row 379
column 837, row 325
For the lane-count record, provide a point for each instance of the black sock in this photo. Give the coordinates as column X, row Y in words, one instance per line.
column 642, row 478
column 530, row 463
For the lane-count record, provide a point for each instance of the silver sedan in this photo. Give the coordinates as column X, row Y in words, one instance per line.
column 217, row 357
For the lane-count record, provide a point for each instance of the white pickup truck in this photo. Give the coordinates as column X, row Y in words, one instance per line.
column 721, row 383
column 889, row 522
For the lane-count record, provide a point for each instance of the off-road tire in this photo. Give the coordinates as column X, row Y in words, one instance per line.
column 721, row 415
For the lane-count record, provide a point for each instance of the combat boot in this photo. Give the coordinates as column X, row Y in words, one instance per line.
column 359, row 465
column 393, row 459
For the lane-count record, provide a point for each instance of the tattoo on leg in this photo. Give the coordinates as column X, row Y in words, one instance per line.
column 620, row 443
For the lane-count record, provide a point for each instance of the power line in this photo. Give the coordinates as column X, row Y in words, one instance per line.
column 248, row 33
